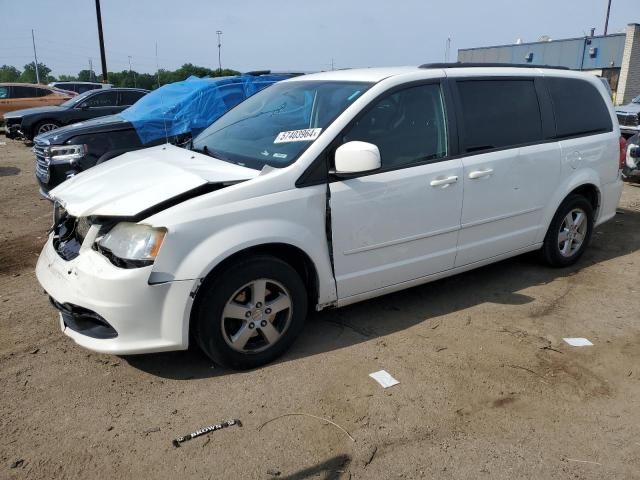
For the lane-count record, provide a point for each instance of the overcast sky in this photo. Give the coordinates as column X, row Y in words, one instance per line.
column 285, row 34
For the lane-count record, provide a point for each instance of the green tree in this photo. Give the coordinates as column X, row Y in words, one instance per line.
column 9, row 73
column 29, row 73
column 67, row 78
column 147, row 80
column 87, row 76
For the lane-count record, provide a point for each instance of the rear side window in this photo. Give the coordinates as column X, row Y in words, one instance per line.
column 578, row 106
column 499, row 114
column 106, row 99
column 129, row 98
column 81, row 87
column 24, row 92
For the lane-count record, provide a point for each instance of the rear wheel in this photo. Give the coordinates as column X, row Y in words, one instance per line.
column 251, row 313
column 569, row 232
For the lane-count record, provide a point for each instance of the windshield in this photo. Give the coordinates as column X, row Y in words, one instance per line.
column 77, row 99
column 276, row 125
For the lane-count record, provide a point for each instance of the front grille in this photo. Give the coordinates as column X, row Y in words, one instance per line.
column 628, row 119
column 42, row 162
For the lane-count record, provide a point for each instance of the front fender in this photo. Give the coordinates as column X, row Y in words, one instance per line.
column 209, row 234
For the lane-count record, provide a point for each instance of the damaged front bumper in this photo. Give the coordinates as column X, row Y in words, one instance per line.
column 114, row 310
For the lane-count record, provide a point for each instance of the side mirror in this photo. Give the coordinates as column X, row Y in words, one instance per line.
column 84, row 106
column 353, row 158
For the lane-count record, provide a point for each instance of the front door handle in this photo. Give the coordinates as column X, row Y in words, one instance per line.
column 440, row 182
column 481, row 173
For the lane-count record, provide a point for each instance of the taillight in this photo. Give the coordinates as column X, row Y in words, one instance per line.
column 623, row 153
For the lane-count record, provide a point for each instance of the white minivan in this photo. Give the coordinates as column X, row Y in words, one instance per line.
column 324, row 190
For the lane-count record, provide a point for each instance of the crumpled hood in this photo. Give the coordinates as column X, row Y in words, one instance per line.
column 136, row 181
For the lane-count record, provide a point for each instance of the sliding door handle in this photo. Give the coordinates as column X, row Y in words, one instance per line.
column 481, row 173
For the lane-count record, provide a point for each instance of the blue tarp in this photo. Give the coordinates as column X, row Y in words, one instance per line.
column 191, row 105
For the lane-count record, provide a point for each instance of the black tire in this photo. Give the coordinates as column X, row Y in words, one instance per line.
column 551, row 251
column 37, row 126
column 209, row 322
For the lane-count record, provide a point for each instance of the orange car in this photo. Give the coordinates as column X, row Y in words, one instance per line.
column 15, row 96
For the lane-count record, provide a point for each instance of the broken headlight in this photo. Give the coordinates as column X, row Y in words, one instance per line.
column 131, row 245
column 65, row 153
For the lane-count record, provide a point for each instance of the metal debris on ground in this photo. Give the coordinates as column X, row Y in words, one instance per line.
column 307, row 415
column 205, row 430
column 578, row 342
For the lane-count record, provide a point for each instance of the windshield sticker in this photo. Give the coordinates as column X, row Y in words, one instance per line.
column 306, row 135
column 279, row 155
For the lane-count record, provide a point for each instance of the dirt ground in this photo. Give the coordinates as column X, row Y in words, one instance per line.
column 488, row 389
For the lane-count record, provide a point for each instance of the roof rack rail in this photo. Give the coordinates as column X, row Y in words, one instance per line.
column 475, row 64
column 257, row 73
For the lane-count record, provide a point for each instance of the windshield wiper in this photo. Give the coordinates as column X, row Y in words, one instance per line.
column 211, row 153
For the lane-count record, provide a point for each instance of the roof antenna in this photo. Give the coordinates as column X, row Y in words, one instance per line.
column 164, row 112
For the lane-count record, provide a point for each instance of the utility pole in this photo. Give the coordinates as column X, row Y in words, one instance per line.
column 332, row 65
column 219, row 33
column 606, row 22
column 35, row 56
column 90, row 69
column 103, row 58
column 130, row 73
column 447, row 50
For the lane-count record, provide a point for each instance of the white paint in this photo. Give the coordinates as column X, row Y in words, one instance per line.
column 390, row 229
column 135, row 181
column 356, row 157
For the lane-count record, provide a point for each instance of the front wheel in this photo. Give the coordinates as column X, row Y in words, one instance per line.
column 569, row 232
column 251, row 313
column 44, row 127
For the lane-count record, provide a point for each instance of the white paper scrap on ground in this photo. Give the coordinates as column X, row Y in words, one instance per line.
column 384, row 379
column 578, row 342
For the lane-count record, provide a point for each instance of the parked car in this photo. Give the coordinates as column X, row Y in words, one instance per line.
column 325, row 190
column 172, row 113
column 94, row 103
column 15, row 96
column 80, row 87
column 629, row 117
column 631, row 170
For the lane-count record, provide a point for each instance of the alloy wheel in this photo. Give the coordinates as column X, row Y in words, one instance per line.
column 46, row 127
column 572, row 233
column 256, row 316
